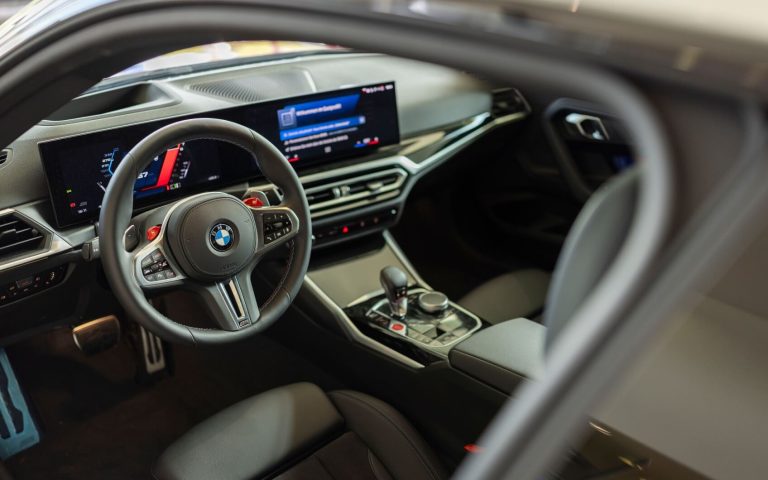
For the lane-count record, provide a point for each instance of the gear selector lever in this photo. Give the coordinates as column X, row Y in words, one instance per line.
column 395, row 284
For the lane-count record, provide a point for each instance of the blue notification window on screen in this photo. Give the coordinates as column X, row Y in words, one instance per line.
column 349, row 120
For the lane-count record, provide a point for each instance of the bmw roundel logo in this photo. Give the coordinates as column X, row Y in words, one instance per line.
column 222, row 237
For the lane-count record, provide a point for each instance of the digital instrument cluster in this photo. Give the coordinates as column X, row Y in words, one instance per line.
column 309, row 130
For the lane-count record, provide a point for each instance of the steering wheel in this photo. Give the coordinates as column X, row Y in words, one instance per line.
column 208, row 243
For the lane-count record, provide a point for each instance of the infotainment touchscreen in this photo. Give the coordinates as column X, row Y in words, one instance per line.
column 309, row 130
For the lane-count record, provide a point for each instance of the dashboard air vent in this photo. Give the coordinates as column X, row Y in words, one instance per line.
column 355, row 191
column 5, row 155
column 18, row 236
column 507, row 101
column 256, row 88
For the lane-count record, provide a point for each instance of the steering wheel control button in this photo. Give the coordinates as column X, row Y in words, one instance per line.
column 155, row 267
column 276, row 225
column 222, row 237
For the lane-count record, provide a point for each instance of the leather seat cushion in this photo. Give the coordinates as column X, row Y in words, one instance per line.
column 388, row 435
column 521, row 293
column 249, row 438
column 345, row 457
column 298, row 432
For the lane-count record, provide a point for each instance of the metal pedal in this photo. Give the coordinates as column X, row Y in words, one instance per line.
column 152, row 351
column 97, row 335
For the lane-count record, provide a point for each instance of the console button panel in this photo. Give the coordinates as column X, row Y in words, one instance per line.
column 436, row 332
column 276, row 225
column 36, row 283
column 363, row 224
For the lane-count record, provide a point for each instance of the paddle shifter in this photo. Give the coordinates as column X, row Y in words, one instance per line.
column 395, row 284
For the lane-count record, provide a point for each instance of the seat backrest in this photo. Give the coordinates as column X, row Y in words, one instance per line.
column 590, row 248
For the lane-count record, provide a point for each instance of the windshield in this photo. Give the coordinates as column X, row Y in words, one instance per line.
column 214, row 53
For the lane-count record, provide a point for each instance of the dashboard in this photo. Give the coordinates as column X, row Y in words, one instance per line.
column 309, row 130
column 360, row 129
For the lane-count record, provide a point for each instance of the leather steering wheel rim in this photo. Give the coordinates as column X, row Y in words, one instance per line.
column 117, row 212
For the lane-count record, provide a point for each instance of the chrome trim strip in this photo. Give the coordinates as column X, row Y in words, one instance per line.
column 473, row 123
column 237, row 310
column 473, row 130
column 58, row 244
column 351, row 330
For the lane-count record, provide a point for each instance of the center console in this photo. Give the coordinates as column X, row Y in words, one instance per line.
column 419, row 316
column 379, row 300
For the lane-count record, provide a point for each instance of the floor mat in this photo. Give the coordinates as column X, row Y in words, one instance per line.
column 97, row 422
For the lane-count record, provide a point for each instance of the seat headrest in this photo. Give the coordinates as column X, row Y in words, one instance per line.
column 590, row 247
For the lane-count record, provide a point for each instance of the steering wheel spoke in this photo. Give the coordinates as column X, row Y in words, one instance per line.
column 232, row 302
column 275, row 225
